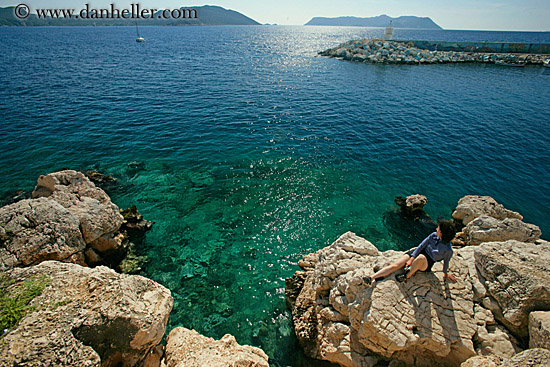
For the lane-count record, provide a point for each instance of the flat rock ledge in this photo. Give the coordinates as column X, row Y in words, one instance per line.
column 391, row 52
column 426, row 321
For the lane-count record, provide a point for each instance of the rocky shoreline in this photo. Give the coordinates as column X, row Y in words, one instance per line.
column 496, row 311
column 83, row 313
column 53, row 248
column 379, row 51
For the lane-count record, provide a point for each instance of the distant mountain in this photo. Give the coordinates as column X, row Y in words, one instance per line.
column 379, row 21
column 7, row 17
column 206, row 15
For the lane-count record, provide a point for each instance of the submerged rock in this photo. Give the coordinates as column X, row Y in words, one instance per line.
column 133, row 229
column 99, row 179
column 412, row 203
column 14, row 197
column 87, row 317
column 132, row 262
column 134, row 223
column 187, row 348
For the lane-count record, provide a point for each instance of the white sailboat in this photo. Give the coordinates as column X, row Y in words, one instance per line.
column 139, row 38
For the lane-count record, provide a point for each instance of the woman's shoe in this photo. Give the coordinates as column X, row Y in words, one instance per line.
column 367, row 280
column 403, row 277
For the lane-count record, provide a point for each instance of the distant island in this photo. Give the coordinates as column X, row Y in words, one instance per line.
column 206, row 15
column 379, row 21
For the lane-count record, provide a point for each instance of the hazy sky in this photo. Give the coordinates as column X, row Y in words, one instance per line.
column 517, row 15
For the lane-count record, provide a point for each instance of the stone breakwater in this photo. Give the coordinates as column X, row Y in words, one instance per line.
column 392, row 52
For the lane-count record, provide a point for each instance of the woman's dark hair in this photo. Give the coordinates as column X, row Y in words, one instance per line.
column 448, row 230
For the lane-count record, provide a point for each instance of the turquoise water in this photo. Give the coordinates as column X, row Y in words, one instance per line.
column 249, row 151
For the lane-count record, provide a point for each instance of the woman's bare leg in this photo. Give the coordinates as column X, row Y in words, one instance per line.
column 420, row 263
column 393, row 267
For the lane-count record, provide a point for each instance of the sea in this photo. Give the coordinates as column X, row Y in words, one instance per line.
column 248, row 150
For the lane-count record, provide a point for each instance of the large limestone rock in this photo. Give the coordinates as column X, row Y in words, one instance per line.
column 517, row 277
column 338, row 318
column 187, row 348
column 539, row 330
column 489, row 229
column 490, row 339
column 412, row 203
column 87, row 317
column 472, row 206
column 69, row 220
column 91, row 205
column 38, row 230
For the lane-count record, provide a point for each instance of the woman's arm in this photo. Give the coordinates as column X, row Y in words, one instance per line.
column 449, row 276
column 446, row 261
column 420, row 247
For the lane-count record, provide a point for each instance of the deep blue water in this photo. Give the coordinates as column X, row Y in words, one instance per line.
column 249, row 151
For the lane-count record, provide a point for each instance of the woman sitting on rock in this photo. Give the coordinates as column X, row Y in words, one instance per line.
column 434, row 248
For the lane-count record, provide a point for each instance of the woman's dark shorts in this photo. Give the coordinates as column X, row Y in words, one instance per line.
column 423, row 252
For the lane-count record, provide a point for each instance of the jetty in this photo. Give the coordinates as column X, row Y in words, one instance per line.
column 485, row 47
column 434, row 52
